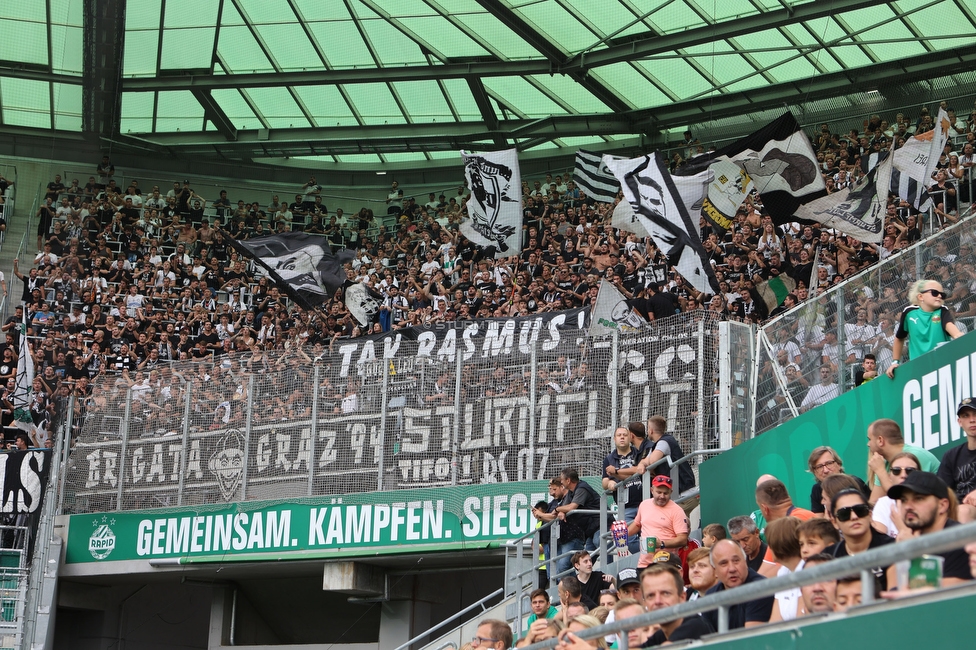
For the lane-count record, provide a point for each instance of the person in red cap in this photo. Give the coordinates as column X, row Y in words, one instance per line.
column 661, row 518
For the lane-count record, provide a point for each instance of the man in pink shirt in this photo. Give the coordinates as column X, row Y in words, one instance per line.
column 662, row 518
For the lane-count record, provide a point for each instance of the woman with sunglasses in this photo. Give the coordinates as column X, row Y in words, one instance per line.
column 852, row 516
column 926, row 323
column 886, row 518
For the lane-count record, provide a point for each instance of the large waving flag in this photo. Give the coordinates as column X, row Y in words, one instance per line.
column 611, row 311
column 301, row 264
column 24, row 388
column 594, row 178
column 914, row 164
column 779, row 161
column 858, row 211
column 649, row 189
column 727, row 187
column 495, row 205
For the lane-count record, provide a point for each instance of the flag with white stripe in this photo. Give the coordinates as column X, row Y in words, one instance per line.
column 611, row 311
column 594, row 178
column 495, row 205
column 648, row 187
column 857, row 211
column 914, row 164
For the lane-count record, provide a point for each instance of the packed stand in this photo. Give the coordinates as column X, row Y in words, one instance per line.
column 139, row 276
column 908, row 494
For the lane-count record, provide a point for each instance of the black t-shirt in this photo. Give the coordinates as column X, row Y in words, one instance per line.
column 758, row 610
column 635, row 492
column 956, row 563
column 958, row 469
column 587, row 499
column 592, row 588
column 877, row 539
column 756, row 563
column 692, row 627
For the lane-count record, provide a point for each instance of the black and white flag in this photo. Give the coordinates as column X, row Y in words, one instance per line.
column 611, row 311
column 361, row 302
column 728, row 185
column 495, row 205
column 857, row 211
column 780, row 162
column 911, row 170
column 594, row 177
column 301, row 264
column 648, row 187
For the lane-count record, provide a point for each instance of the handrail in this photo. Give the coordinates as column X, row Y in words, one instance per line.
column 944, row 540
column 452, row 618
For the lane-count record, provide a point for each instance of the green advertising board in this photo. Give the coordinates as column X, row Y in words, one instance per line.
column 402, row 521
column 922, row 398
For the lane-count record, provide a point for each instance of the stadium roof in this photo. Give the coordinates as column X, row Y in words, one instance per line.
column 409, row 81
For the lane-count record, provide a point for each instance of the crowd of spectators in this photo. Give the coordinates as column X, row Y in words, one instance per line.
column 126, row 278
column 911, row 494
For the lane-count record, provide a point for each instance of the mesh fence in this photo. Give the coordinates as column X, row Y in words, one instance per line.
column 386, row 415
column 816, row 352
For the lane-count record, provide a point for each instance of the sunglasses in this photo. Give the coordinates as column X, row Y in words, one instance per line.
column 936, row 293
column 896, row 471
column 862, row 510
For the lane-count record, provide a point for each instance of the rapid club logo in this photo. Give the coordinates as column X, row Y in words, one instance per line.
column 101, row 543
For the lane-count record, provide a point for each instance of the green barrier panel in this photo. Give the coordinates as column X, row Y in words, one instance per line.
column 941, row 624
column 922, row 398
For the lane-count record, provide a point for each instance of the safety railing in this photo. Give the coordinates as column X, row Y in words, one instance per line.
column 860, row 564
column 447, row 621
column 862, row 313
column 517, row 568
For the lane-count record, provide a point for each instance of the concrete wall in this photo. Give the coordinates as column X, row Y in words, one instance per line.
column 178, row 610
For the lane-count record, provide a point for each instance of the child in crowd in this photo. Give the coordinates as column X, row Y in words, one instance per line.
column 815, row 535
column 713, row 533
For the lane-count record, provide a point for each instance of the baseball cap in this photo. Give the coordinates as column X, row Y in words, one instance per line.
column 628, row 577
column 667, row 557
column 968, row 403
column 661, row 480
column 923, row 483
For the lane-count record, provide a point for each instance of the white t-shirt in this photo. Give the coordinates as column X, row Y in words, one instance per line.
column 790, row 598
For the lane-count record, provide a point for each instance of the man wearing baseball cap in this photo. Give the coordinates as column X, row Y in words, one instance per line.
column 958, row 468
column 660, row 518
column 923, row 502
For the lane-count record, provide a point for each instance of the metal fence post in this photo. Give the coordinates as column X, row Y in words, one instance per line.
column 700, row 419
column 126, row 419
column 186, row 444
column 247, row 437
column 841, row 344
column 725, row 371
column 615, row 379
column 315, row 429
column 63, row 448
column 530, row 464
column 456, row 444
column 384, row 405
column 553, row 551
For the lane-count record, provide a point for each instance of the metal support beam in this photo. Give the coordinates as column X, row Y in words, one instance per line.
column 446, row 136
column 104, row 38
column 483, row 101
column 213, row 112
column 555, row 62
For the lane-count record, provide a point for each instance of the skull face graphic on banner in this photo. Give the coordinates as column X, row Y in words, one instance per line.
column 495, row 205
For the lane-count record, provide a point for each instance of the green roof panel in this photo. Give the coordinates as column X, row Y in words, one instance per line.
column 67, row 106
column 26, row 102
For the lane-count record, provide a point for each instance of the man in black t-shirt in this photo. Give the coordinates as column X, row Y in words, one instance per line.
column 729, row 561
column 662, row 587
column 583, row 497
column 923, row 502
column 958, row 468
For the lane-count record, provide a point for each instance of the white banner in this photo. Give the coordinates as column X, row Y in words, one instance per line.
column 495, row 205
column 611, row 312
